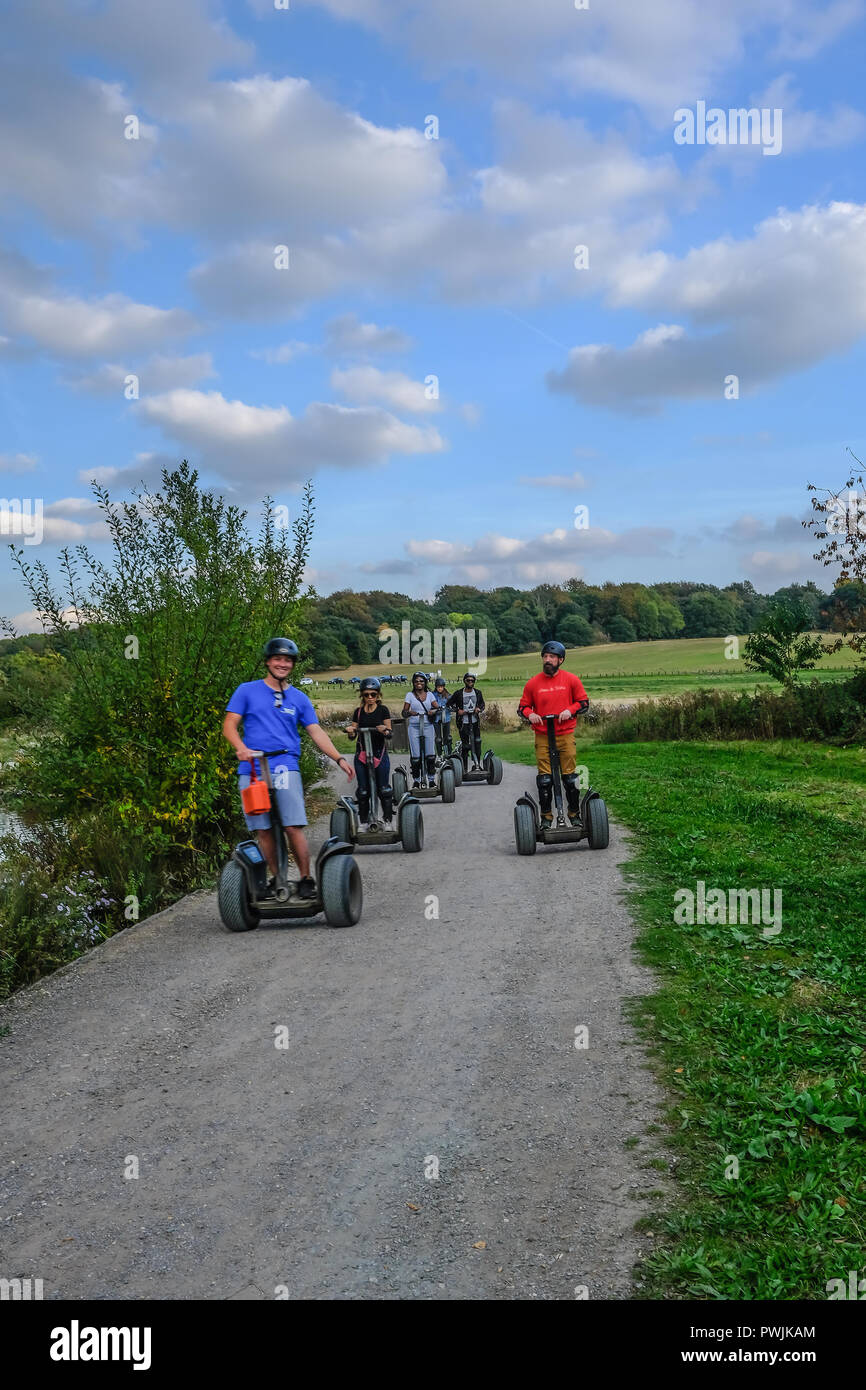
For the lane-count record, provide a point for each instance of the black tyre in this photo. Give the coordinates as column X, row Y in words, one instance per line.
column 341, row 824
column 412, row 828
column 494, row 771
column 340, row 890
column 399, row 784
column 524, row 829
column 457, row 764
column 597, row 827
column 233, row 899
column 448, row 784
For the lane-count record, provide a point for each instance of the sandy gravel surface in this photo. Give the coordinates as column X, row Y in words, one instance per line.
column 416, row 1044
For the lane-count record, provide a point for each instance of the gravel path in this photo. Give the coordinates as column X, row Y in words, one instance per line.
column 416, row 1043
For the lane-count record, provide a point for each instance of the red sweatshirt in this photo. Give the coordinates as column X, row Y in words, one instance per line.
column 551, row 695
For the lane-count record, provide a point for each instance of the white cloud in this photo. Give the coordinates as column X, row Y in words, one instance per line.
column 18, row 463
column 158, row 373
column 367, row 384
column 514, row 232
column 66, row 325
column 346, row 335
column 553, row 555
column 566, row 481
column 274, row 152
column 770, row 569
column 269, row 444
column 778, row 302
column 655, row 56
column 286, row 352
column 809, row 28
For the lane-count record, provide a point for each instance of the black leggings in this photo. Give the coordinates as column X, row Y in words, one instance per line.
column 383, row 781
column 470, row 738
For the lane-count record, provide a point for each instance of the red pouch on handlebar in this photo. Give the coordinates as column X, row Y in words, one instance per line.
column 256, row 797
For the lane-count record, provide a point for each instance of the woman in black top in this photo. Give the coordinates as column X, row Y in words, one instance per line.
column 372, row 714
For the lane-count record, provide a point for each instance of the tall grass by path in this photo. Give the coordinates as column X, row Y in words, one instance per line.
column 758, row 1041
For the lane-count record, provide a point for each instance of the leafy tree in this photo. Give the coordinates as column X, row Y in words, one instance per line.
column 517, row 628
column 30, row 685
column 458, row 597
column 708, row 615
column 575, row 631
column 839, row 520
column 619, row 629
column 780, row 644
column 172, row 623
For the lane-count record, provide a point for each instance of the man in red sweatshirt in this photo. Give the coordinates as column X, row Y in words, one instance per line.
column 557, row 692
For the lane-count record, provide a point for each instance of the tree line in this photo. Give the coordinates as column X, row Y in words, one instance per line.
column 345, row 626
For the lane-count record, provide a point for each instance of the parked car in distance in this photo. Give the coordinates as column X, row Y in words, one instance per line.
column 305, row 680
column 336, row 680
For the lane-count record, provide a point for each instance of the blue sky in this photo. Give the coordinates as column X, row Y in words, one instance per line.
column 453, row 258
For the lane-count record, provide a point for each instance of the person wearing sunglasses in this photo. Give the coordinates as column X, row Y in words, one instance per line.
column 420, row 702
column 273, row 712
column 373, row 715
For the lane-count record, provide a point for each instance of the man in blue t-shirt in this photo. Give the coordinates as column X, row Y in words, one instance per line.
column 273, row 714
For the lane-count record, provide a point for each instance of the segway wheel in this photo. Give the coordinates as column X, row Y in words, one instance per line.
column 412, row 828
column 233, row 899
column 597, row 827
column 341, row 824
column 400, row 784
column 340, row 889
column 447, row 784
column 456, row 765
column 524, row 829
column 494, row 772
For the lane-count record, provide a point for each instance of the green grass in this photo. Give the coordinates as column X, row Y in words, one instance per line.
column 614, row 670
column 758, row 1041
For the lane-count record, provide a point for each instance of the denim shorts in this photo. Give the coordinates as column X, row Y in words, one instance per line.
column 289, row 794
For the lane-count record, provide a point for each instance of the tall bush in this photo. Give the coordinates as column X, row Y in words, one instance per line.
column 155, row 639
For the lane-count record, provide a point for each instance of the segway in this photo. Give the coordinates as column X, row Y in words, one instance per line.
column 488, row 768
column 529, row 829
column 346, row 817
column 432, row 782
column 447, row 757
column 246, row 898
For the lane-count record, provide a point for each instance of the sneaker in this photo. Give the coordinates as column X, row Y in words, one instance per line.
column 546, row 821
column 306, row 889
column 574, row 819
column 415, row 784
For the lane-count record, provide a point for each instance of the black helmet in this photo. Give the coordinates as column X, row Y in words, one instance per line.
column 418, row 675
column 279, row 646
column 470, row 676
column 440, row 680
column 556, row 648
column 370, row 683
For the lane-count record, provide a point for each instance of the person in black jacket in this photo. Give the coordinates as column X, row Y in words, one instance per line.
column 468, row 705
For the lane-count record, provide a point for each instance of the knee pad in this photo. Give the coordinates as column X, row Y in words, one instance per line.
column 544, row 779
column 570, row 779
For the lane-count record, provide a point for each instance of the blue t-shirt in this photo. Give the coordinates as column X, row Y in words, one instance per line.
column 270, row 725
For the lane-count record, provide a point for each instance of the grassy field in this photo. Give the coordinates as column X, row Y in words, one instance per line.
column 615, row 670
column 758, row 1041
